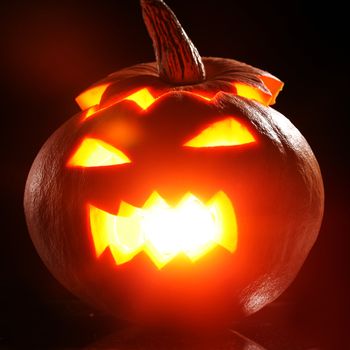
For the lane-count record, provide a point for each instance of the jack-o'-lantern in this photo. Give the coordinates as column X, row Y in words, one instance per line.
column 177, row 194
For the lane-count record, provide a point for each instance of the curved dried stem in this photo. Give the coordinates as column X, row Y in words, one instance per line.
column 178, row 59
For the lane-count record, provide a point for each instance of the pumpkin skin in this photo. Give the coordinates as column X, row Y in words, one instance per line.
column 274, row 184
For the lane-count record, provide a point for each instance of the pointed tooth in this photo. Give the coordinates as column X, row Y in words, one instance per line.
column 188, row 198
column 155, row 200
column 102, row 225
column 121, row 257
column 126, row 209
column 157, row 258
column 224, row 214
column 204, row 249
column 128, row 232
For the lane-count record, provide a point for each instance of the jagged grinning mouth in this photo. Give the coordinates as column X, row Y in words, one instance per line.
column 163, row 231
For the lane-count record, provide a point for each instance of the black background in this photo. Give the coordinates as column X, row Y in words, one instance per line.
column 54, row 50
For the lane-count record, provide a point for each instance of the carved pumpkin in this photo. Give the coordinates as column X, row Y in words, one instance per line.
column 177, row 194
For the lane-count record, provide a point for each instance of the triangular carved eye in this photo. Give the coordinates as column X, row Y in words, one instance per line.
column 226, row 132
column 95, row 153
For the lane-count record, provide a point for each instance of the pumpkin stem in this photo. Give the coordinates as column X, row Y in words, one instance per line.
column 178, row 59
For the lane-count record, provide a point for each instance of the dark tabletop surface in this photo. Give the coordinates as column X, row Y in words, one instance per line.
column 68, row 324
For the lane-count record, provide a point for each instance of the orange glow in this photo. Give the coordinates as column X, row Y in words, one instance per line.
column 94, row 153
column 91, row 97
column 142, row 97
column 274, row 85
column 252, row 93
column 89, row 112
column 162, row 231
column 201, row 96
column 227, row 132
column 145, row 99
